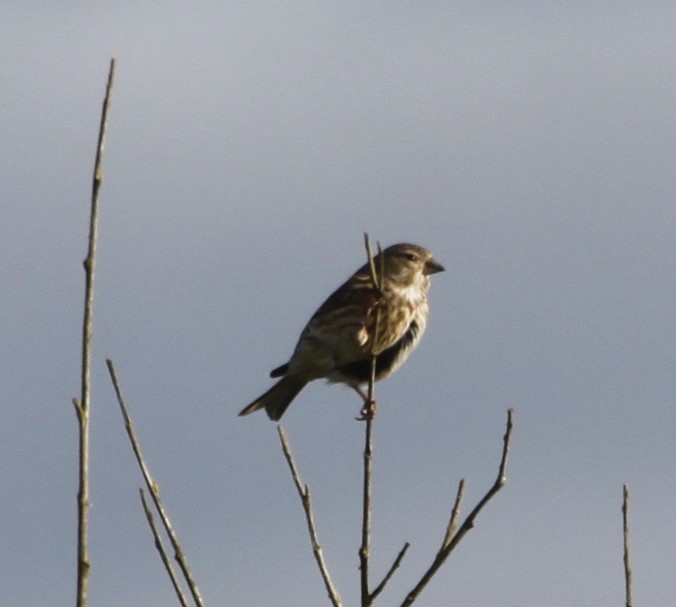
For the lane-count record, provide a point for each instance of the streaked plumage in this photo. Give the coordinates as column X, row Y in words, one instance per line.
column 336, row 343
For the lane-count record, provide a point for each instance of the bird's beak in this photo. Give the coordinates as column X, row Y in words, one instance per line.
column 432, row 267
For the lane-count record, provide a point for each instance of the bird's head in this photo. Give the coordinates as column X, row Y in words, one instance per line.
column 407, row 264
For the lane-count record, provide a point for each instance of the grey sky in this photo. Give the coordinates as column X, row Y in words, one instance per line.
column 530, row 146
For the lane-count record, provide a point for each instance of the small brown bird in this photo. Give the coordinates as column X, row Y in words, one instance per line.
column 337, row 342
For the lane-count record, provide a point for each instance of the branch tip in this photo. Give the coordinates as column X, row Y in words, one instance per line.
column 629, row 601
column 306, row 502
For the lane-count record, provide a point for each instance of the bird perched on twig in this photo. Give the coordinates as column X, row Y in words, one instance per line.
column 338, row 342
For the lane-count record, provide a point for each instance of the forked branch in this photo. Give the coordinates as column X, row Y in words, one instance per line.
column 154, row 491
column 452, row 539
column 159, row 545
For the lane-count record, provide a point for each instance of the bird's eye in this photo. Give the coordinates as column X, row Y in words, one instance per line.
column 411, row 256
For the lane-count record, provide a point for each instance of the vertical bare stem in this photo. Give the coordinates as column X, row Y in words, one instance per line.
column 82, row 404
column 369, row 407
column 627, row 563
column 366, row 515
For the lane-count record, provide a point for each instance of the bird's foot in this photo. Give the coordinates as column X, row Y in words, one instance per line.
column 368, row 411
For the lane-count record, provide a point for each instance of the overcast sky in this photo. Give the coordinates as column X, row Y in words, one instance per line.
column 529, row 145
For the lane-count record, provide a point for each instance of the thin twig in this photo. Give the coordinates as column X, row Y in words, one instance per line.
column 304, row 493
column 376, row 278
column 364, row 548
column 163, row 553
column 379, row 588
column 455, row 513
column 468, row 524
column 627, row 563
column 179, row 556
column 369, row 411
column 83, row 403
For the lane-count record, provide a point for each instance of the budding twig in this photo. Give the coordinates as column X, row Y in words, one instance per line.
column 82, row 404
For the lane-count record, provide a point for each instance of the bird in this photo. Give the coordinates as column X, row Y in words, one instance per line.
column 338, row 342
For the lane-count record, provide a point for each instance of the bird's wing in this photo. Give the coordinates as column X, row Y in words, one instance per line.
column 348, row 312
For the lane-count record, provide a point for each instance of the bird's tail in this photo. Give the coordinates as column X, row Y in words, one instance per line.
column 278, row 398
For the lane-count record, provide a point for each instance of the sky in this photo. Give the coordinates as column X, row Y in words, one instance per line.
column 529, row 145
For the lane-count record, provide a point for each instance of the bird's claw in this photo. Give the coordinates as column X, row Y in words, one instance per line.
column 368, row 411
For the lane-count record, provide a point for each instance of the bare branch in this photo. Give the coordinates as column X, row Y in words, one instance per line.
column 455, row 513
column 376, row 278
column 364, row 549
column 304, row 493
column 379, row 588
column 179, row 556
column 627, row 563
column 371, row 261
column 163, row 553
column 82, row 405
column 78, row 408
column 368, row 413
column 450, row 543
